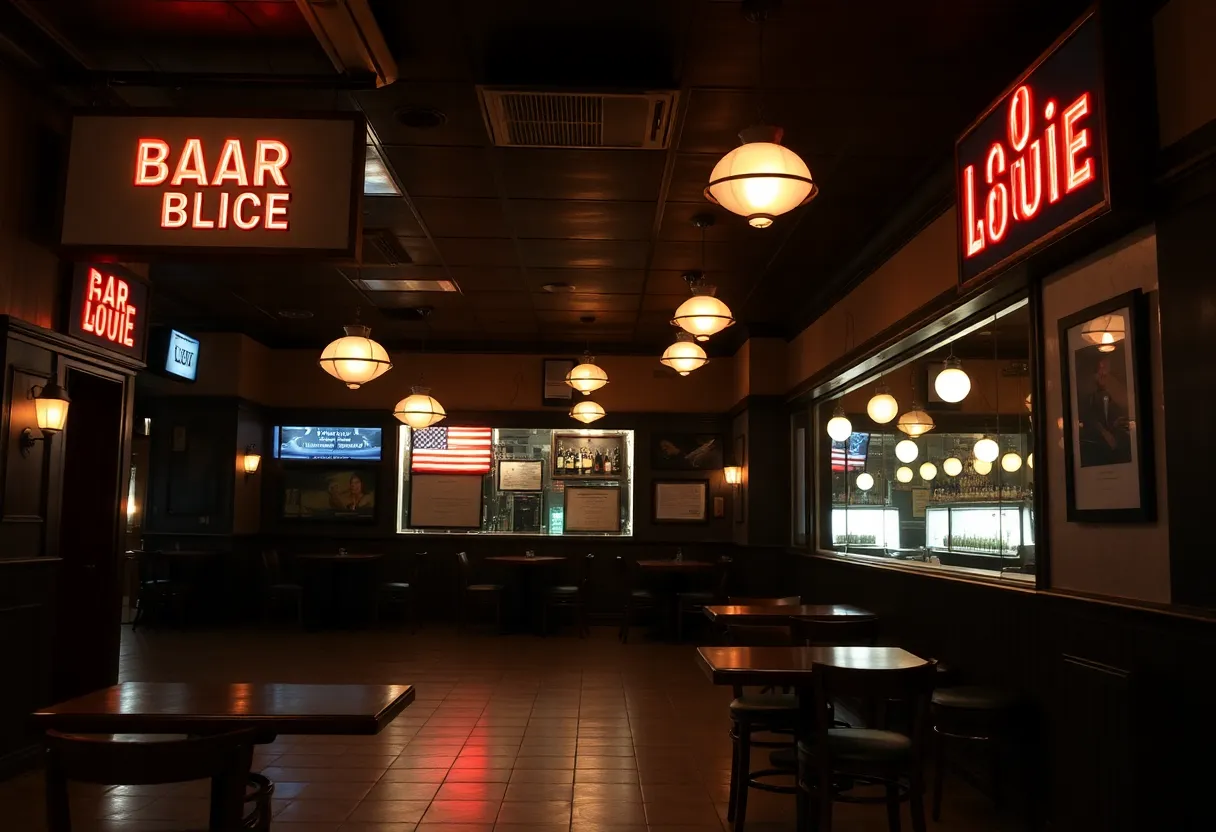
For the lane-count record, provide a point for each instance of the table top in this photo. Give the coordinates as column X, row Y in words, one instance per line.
column 177, row 553
column 771, row 614
column 673, row 565
column 791, row 666
column 207, row 708
column 524, row 560
column 337, row 557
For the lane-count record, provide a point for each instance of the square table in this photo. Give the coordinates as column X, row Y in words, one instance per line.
column 772, row 615
column 791, row 666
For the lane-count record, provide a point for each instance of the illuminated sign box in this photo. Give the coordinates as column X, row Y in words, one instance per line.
column 148, row 184
column 1034, row 166
column 109, row 308
column 181, row 356
column 322, row 442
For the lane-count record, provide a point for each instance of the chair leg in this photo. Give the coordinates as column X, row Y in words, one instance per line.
column 743, row 750
column 994, row 762
column 916, row 798
column 300, row 609
column 734, row 770
column 624, row 634
column 679, row 623
column 824, row 798
column 939, row 776
column 893, row 804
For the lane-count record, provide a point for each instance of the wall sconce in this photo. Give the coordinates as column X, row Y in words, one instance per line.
column 251, row 460
column 51, row 404
column 733, row 474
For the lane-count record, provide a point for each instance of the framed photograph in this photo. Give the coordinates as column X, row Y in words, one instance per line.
column 680, row 501
column 1108, row 432
column 335, row 495
column 686, row 451
column 592, row 509
column 521, row 474
column 554, row 392
column 578, row 457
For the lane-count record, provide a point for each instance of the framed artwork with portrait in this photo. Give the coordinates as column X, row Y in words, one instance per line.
column 1106, row 398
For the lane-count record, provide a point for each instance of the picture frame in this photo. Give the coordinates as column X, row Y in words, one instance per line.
column 613, row 444
column 680, row 501
column 683, row 451
column 554, row 392
column 1106, row 400
column 591, row 509
column 520, row 475
column 330, row 494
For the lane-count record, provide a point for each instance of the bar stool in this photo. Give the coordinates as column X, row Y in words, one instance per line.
column 974, row 714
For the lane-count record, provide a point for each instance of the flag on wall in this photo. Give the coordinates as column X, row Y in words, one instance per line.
column 451, row 450
column 850, row 454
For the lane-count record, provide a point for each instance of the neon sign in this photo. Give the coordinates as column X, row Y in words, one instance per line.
column 1033, row 167
column 108, row 308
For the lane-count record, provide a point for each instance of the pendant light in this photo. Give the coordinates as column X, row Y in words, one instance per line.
column 928, row 471
column 355, row 359
column 420, row 409
column 760, row 179
column 1104, row 332
column 981, row 467
column 916, row 422
column 685, row 355
column 865, row 481
column 903, row 473
column 986, row 450
column 1011, row 462
column 703, row 314
column 952, row 466
column 839, row 426
column 952, row 384
column 587, row 411
column 906, row 450
column 882, row 406
column 1030, row 460
column 588, row 376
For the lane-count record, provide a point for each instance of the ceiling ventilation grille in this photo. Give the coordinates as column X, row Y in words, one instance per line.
column 532, row 118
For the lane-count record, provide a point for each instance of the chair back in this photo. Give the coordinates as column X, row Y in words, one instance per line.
column 151, row 566
column 724, row 568
column 272, row 566
column 416, row 567
column 912, row 685
column 466, row 571
column 785, row 601
column 584, row 576
column 854, row 631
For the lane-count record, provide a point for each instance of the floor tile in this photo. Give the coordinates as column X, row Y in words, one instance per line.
column 463, row 811
column 395, row 811
column 535, row 812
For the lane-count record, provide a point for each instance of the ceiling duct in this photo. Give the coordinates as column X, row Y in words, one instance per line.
column 348, row 32
column 382, row 248
column 541, row 118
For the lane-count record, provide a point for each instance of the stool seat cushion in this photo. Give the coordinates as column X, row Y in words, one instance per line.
column 695, row 596
column 866, row 745
column 765, row 703
column 974, row 698
column 394, row 585
column 484, row 587
column 641, row 593
column 563, row 590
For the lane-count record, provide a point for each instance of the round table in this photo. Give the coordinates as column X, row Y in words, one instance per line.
column 339, row 589
column 524, row 598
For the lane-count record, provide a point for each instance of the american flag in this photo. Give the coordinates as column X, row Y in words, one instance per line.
column 850, row 454
column 451, row 451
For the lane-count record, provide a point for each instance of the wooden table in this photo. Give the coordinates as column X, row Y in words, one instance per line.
column 339, row 558
column 791, row 666
column 770, row 615
column 524, row 560
column 677, row 566
column 344, row 595
column 524, row 600
column 212, row 708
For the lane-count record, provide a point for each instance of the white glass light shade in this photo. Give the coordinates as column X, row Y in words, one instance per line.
column 952, row 384
column 882, row 406
column 1011, row 462
column 953, row 466
column 684, row 356
column 1029, row 400
column 733, row 474
column 986, row 450
column 865, row 481
column 928, row 471
column 906, row 450
column 839, row 426
column 355, row 359
column 419, row 409
column 915, row 422
column 903, row 473
column 1030, row 460
column 250, row 462
column 587, row 412
column 51, row 405
column 587, row 377
column 703, row 315
column 980, row 467
column 761, row 180
column 1104, row 331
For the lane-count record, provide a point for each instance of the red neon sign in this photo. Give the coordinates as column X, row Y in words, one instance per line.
column 245, row 210
column 106, row 310
column 1020, row 178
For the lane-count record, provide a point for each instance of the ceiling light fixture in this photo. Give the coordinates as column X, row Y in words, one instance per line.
column 588, row 376
column 952, row 384
column 702, row 315
column 953, row 466
column 882, row 406
column 906, row 450
column 420, row 409
column 685, row 355
column 839, row 426
column 760, row 179
column 928, row 471
column 1104, row 332
column 355, row 359
column 865, row 481
column 916, row 422
column 587, row 411
column 986, row 450
column 903, row 473
column 981, row 467
column 1011, row 462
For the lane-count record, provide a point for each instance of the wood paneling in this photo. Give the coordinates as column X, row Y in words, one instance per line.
column 26, row 596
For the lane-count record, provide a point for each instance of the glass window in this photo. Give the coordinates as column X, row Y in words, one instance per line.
column 799, row 490
column 527, row 475
column 943, row 475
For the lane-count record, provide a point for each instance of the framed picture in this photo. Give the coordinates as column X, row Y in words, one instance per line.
column 336, row 495
column 578, row 457
column 521, row 474
column 554, row 390
column 592, row 509
column 1108, row 432
column 680, row 501
column 686, row 451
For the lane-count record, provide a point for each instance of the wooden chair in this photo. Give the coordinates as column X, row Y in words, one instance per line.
column 485, row 593
column 401, row 593
column 573, row 597
column 636, row 597
column 854, row 631
column 973, row 715
column 695, row 601
column 865, row 755
column 225, row 759
column 759, row 635
column 160, row 597
column 279, row 589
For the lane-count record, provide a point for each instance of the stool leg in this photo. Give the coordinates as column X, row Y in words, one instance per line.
column 734, row 769
column 743, row 771
column 994, row 759
column 917, row 797
column 939, row 775
column 893, row 804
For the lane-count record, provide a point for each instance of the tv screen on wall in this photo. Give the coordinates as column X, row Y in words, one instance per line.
column 320, row 442
column 329, row 494
column 181, row 356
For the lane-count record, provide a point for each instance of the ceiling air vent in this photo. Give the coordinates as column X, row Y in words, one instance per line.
column 382, row 248
column 535, row 118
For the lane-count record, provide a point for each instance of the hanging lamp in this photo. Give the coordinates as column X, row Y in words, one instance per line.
column 355, row 359
column 1011, row 462
column 981, row 467
column 952, row 384
column 685, row 355
column 761, row 179
column 903, row 473
column 420, row 409
column 587, row 376
column 839, row 426
column 703, row 314
column 587, row 411
column 906, row 450
column 916, row 422
column 952, row 466
column 882, row 406
column 865, row 481
column 1104, row 332
column 928, row 471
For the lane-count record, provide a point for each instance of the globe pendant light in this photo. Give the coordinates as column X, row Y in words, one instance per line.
column 928, row 471
column 1011, row 462
column 986, row 450
column 980, row 467
column 953, row 466
column 882, row 406
column 839, row 426
column 1104, row 332
column 685, row 355
column 1030, row 460
column 419, row 409
column 865, row 481
column 703, row 314
column 906, row 450
column 916, row 422
column 355, row 359
column 952, row 384
column 587, row 411
column 587, row 377
column 903, row 473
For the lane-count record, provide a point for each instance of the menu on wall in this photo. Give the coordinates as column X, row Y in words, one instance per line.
column 445, row 501
column 680, row 502
column 520, row 474
column 594, row 509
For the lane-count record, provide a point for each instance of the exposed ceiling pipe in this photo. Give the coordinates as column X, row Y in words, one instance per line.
column 348, row 32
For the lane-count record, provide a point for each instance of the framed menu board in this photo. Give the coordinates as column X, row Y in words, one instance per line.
column 592, row 509
column 521, row 474
column 445, row 501
column 681, row 501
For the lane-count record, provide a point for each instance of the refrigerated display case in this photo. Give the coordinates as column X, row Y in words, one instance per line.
column 999, row 530
column 865, row 527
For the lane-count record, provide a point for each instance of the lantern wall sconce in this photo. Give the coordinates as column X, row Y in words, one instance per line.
column 734, row 475
column 251, row 461
column 51, row 404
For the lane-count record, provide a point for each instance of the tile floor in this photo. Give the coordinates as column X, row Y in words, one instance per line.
column 507, row 733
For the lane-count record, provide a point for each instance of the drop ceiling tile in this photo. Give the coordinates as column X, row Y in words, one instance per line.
column 664, row 303
column 413, row 300
column 605, row 254
column 598, row 281
column 629, row 175
column 500, row 300
column 586, row 303
column 477, row 252
column 587, row 220
column 420, row 250
column 689, row 178
column 393, row 213
column 462, row 217
column 487, row 278
column 571, row 318
column 462, row 125
column 442, row 171
column 719, row 256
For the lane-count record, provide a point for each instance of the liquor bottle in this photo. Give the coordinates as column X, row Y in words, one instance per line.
column 616, row 460
column 588, row 460
column 607, row 462
column 599, row 462
column 561, row 459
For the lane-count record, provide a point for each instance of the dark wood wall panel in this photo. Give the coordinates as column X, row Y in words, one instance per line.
column 26, row 623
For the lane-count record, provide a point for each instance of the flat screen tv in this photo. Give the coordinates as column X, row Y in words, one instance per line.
column 181, row 356
column 321, row 442
column 332, row 494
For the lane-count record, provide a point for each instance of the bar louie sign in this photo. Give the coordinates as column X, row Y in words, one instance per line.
column 1033, row 167
column 149, row 184
column 109, row 308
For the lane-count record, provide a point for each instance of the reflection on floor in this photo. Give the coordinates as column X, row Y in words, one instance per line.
column 507, row 733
